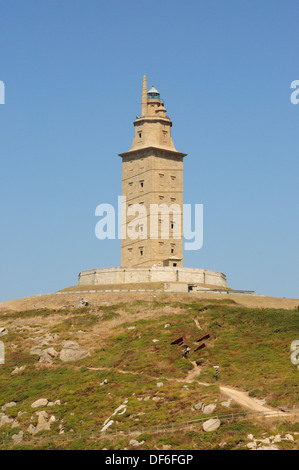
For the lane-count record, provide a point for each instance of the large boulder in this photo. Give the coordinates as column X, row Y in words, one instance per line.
column 72, row 351
column 211, row 425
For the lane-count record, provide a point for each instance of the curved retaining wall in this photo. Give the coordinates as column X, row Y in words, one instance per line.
column 121, row 275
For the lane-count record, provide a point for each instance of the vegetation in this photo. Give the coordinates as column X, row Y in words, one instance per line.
column 130, row 346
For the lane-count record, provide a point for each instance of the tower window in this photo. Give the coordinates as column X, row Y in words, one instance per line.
column 172, row 250
column 141, row 183
column 139, row 135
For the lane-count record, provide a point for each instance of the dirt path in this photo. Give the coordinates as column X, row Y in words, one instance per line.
column 238, row 396
column 243, row 399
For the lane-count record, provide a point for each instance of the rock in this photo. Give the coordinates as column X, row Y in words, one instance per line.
column 251, row 445
column 272, row 447
column 17, row 438
column 18, row 370
column 160, row 384
column 4, row 420
column 104, row 382
column 50, row 403
column 222, row 444
column 250, row 437
column 184, row 387
column 31, row 429
column 226, row 403
column 42, row 417
column 288, row 437
column 135, row 443
column 167, row 325
column 71, row 351
column 36, row 350
column 43, row 423
column 82, row 302
column 107, row 425
column 15, row 424
column 198, row 406
column 40, row 402
column 260, row 402
column 8, row 405
column 131, row 327
column 146, row 398
column 48, row 356
column 3, row 331
column 209, row 409
column 157, row 399
column 57, row 402
column 155, row 340
column 166, row 447
column 265, row 441
column 211, row 425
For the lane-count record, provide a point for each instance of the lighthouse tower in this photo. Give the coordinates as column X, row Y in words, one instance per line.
column 152, row 177
column 152, row 210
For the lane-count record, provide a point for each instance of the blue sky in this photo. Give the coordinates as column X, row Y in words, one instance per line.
column 73, row 73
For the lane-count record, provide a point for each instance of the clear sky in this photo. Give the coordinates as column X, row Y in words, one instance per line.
column 73, row 74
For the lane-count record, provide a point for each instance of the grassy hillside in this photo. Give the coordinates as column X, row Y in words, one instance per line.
column 130, row 347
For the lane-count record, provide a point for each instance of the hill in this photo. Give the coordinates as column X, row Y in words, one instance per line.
column 127, row 377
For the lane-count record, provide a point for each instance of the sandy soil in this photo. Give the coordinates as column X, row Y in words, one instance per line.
column 57, row 301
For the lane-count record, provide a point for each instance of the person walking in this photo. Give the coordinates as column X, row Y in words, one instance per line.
column 186, row 352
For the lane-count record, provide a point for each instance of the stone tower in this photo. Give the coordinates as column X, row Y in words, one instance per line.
column 152, row 176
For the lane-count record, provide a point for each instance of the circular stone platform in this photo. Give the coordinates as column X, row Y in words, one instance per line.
column 122, row 275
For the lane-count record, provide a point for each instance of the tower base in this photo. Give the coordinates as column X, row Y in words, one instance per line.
column 179, row 275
